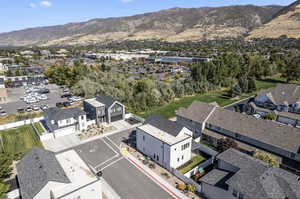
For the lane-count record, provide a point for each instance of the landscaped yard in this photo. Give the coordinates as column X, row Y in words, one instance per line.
column 219, row 96
column 20, row 140
column 39, row 128
column 196, row 160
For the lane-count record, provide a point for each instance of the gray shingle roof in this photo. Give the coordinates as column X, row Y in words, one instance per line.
column 61, row 114
column 107, row 100
column 214, row 176
column 257, row 179
column 164, row 124
column 269, row 132
column 282, row 94
column 197, row 111
column 36, row 169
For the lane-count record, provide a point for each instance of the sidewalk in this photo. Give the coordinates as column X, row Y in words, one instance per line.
column 175, row 193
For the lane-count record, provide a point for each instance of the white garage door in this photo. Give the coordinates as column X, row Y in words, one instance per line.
column 65, row 131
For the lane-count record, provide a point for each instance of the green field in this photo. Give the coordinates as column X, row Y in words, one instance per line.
column 219, row 96
column 20, row 140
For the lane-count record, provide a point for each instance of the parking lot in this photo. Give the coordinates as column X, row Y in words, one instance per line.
column 14, row 95
column 126, row 180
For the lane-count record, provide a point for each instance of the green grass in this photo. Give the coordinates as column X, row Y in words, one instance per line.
column 195, row 161
column 39, row 128
column 18, row 141
column 219, row 96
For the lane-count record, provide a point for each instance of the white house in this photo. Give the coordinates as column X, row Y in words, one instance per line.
column 43, row 174
column 166, row 142
column 63, row 122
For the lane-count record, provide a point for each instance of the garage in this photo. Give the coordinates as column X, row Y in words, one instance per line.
column 116, row 118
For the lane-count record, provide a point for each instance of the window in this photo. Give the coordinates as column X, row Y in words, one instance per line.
column 293, row 155
column 68, row 121
column 154, row 156
column 82, row 117
column 157, row 158
column 177, row 159
column 143, row 138
column 78, row 197
column 182, row 157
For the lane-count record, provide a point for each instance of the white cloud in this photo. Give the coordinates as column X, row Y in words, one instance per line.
column 46, row 3
column 127, row 1
column 32, row 5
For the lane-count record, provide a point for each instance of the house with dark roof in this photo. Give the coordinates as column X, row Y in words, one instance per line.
column 43, row 174
column 272, row 137
column 166, row 142
column 104, row 109
column 238, row 175
column 284, row 98
column 61, row 122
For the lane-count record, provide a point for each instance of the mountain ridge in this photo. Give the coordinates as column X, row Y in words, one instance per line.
column 174, row 24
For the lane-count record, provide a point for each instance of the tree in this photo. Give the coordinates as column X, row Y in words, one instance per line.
column 225, row 144
column 3, row 190
column 268, row 158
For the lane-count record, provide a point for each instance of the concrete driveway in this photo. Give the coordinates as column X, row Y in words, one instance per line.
column 61, row 143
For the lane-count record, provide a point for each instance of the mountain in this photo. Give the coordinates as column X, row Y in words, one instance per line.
column 176, row 24
column 286, row 22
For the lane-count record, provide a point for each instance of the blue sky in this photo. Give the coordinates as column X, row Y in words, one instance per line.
column 20, row 14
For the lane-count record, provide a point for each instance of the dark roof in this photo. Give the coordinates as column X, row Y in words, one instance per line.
column 269, row 132
column 36, row 169
column 197, row 111
column 215, row 176
column 257, row 179
column 164, row 124
column 107, row 100
column 61, row 114
column 282, row 94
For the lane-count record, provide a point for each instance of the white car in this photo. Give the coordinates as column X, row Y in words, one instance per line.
column 3, row 113
column 257, row 116
column 36, row 108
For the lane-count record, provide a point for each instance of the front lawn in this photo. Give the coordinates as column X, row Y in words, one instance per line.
column 195, row 161
column 18, row 141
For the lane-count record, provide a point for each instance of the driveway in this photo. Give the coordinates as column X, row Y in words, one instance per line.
column 61, row 143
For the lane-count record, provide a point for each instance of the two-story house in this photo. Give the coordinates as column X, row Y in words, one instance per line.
column 104, row 109
column 239, row 176
column 43, row 174
column 250, row 133
column 63, row 122
column 166, row 142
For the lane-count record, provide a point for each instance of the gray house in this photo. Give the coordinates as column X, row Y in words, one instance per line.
column 238, row 175
column 63, row 122
column 104, row 109
column 272, row 137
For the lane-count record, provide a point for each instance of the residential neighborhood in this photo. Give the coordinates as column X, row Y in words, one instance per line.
column 137, row 99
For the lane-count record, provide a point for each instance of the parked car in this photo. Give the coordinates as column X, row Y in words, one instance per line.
column 66, row 90
column 66, row 95
column 44, row 107
column 66, row 104
column 257, row 116
column 36, row 108
column 59, row 104
column 29, row 109
column 21, row 110
column 3, row 113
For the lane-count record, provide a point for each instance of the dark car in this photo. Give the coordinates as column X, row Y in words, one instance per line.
column 44, row 91
column 59, row 104
column 66, row 104
column 66, row 95
column 21, row 110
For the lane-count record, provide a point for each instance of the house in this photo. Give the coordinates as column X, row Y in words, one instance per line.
column 104, row 109
column 238, row 175
column 166, row 142
column 43, row 174
column 63, row 122
column 280, row 140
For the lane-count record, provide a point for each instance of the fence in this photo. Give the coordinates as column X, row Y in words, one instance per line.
column 186, row 179
column 20, row 123
column 203, row 165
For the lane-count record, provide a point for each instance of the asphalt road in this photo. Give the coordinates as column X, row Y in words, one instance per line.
column 126, row 180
